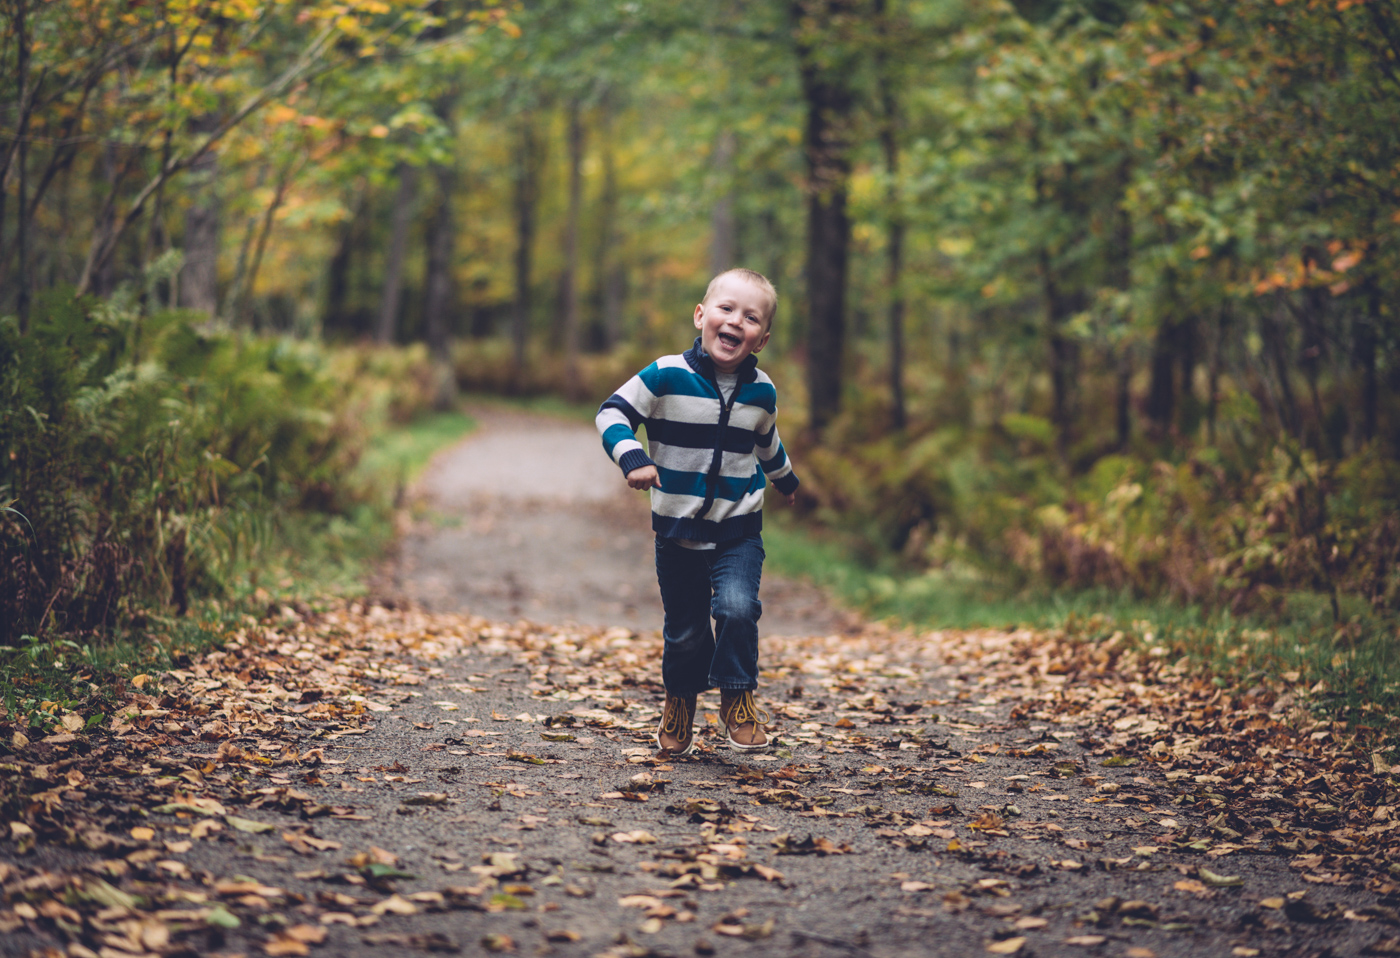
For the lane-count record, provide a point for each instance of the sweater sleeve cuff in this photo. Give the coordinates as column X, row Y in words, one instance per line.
column 786, row 485
column 634, row 459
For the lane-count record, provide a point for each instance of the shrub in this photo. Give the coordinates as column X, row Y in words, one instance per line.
column 139, row 456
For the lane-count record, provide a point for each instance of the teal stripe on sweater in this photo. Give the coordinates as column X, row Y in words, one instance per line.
column 615, row 434
column 675, row 381
column 731, row 488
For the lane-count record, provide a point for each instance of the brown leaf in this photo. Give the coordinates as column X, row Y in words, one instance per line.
column 281, row 945
column 310, row 934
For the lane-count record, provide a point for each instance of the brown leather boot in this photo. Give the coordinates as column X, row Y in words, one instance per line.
column 676, row 731
column 743, row 720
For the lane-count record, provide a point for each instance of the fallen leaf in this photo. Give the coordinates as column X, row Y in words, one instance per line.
column 311, row 934
column 1217, row 880
column 394, row 905
column 1007, row 946
column 23, row 836
column 426, row 798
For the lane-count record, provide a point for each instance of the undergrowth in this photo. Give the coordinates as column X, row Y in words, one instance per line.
column 1351, row 670
column 160, row 481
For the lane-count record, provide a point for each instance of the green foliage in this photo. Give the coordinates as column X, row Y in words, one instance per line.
column 1213, row 525
column 144, row 461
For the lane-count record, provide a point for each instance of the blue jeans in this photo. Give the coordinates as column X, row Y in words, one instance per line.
column 695, row 585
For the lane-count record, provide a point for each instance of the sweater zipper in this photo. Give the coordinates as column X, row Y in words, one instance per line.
column 712, row 479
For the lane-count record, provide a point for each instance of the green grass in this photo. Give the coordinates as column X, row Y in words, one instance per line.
column 942, row 598
column 401, row 453
column 1357, row 661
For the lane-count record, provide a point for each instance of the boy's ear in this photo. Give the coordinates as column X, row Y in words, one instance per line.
column 763, row 342
column 699, row 315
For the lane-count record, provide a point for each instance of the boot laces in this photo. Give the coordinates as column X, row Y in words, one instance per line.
column 745, row 710
column 677, row 720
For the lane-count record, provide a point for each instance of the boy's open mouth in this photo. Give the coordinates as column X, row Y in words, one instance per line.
column 729, row 339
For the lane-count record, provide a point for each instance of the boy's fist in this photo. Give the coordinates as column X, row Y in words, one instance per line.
column 644, row 477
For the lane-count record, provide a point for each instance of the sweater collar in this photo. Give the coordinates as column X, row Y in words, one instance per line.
column 700, row 361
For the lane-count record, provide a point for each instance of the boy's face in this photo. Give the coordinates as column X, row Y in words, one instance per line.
column 734, row 322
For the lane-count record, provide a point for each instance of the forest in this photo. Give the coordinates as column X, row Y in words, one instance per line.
column 1074, row 294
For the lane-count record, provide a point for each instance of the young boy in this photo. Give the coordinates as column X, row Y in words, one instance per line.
column 710, row 416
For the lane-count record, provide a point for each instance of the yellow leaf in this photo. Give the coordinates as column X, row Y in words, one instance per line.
column 1008, row 946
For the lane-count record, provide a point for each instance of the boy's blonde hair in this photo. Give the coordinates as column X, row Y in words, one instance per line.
column 751, row 276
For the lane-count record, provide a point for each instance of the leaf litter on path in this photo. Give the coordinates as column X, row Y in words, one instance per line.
column 1143, row 769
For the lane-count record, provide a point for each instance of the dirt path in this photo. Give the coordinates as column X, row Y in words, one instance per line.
column 527, row 518
column 363, row 780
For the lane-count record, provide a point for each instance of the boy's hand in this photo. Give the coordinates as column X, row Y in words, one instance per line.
column 791, row 498
column 644, row 477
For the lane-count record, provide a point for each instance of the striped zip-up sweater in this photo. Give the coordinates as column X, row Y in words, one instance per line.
column 711, row 455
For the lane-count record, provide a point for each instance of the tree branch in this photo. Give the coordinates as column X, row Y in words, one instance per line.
column 103, row 245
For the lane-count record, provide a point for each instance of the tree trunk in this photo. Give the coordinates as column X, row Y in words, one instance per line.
column 199, row 279
column 1366, row 338
column 399, row 223
column 1274, row 343
column 339, row 274
column 245, row 249
column 104, row 275
column 606, row 327
column 529, row 154
column 830, row 103
column 569, row 291
column 1217, row 360
column 894, row 224
column 1123, row 399
column 722, row 229
column 437, row 283
column 1311, row 350
column 1121, row 277
column 612, row 276
column 22, row 230
column 1061, row 305
column 1161, row 393
column 284, row 182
